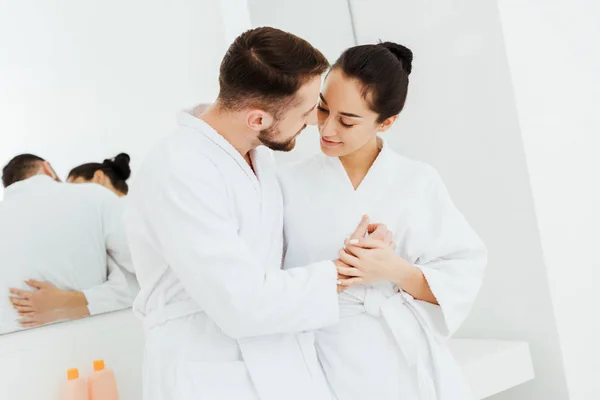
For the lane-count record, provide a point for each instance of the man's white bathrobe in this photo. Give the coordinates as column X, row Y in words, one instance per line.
column 223, row 320
column 387, row 346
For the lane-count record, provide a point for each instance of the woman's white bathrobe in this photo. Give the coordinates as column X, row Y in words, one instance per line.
column 387, row 346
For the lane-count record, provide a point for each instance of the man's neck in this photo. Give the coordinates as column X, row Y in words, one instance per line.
column 230, row 126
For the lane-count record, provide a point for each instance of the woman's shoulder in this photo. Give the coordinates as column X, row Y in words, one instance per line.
column 414, row 177
column 415, row 168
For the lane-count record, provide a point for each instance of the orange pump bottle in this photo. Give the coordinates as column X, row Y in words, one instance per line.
column 102, row 384
column 76, row 387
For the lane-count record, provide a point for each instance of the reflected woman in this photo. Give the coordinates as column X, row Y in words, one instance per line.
column 112, row 174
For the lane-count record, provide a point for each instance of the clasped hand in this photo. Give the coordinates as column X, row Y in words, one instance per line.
column 368, row 256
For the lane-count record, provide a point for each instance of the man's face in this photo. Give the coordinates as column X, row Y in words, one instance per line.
column 281, row 136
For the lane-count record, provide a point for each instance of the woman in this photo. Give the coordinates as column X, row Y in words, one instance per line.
column 112, row 174
column 399, row 307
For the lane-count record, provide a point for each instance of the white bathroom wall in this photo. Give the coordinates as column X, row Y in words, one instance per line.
column 554, row 59
column 461, row 118
column 83, row 81
column 325, row 24
column 236, row 18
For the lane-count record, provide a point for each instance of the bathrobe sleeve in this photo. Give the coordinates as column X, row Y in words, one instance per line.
column 121, row 286
column 451, row 256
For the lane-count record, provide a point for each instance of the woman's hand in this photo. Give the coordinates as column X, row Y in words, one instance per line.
column 374, row 231
column 45, row 299
column 33, row 320
column 377, row 232
column 370, row 260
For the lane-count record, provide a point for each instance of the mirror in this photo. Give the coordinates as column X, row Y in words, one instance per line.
column 88, row 99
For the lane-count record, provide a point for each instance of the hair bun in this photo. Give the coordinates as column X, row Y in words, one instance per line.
column 404, row 54
column 120, row 165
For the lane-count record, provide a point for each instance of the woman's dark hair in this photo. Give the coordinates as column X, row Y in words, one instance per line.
column 382, row 69
column 117, row 170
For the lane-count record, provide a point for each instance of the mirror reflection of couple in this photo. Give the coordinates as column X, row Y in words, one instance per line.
column 64, row 248
column 205, row 219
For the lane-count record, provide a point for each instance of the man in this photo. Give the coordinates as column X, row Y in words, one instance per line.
column 205, row 228
column 55, row 241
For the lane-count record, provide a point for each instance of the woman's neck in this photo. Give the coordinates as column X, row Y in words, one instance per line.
column 357, row 164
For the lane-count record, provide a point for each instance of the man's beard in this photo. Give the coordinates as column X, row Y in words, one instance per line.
column 266, row 138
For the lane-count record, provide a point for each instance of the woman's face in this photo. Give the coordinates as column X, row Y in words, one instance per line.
column 346, row 123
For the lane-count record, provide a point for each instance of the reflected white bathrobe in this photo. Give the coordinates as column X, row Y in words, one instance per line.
column 222, row 318
column 387, row 346
column 69, row 235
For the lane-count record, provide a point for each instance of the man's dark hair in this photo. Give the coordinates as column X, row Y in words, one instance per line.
column 265, row 67
column 20, row 168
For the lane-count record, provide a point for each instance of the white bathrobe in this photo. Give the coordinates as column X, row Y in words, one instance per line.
column 68, row 235
column 387, row 346
column 222, row 318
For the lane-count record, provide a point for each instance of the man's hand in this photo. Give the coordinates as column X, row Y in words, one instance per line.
column 341, row 278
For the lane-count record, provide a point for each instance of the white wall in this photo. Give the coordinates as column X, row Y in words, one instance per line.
column 461, row 118
column 236, row 18
column 325, row 24
column 555, row 60
column 81, row 81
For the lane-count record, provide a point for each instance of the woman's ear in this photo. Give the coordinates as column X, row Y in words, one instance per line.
column 387, row 124
column 99, row 177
